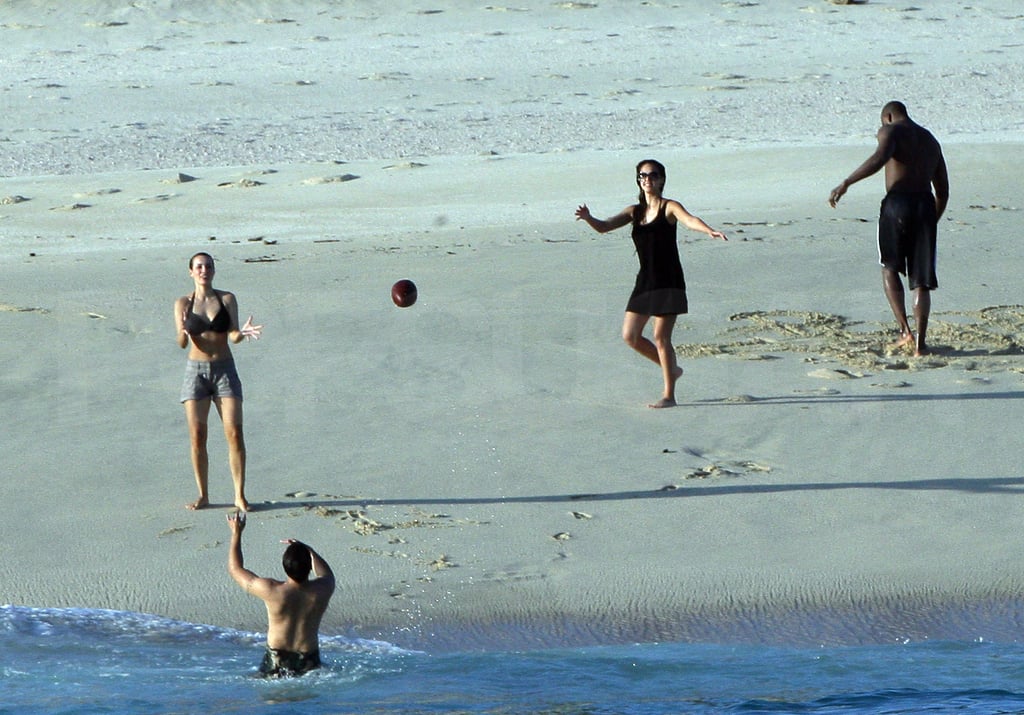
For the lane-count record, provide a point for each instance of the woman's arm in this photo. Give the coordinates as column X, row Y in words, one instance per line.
column 181, row 338
column 605, row 225
column 237, row 334
column 694, row 223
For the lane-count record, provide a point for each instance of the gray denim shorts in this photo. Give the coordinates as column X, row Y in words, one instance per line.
column 210, row 379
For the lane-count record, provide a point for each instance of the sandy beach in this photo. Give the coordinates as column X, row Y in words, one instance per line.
column 481, row 469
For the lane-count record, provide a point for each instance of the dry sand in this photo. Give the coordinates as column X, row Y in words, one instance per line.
column 480, row 469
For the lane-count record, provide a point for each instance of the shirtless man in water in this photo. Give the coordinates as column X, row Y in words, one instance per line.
column 295, row 607
column 909, row 215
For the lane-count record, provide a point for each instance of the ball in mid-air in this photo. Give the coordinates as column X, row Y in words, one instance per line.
column 403, row 293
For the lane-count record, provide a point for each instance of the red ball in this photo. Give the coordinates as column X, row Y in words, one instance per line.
column 404, row 293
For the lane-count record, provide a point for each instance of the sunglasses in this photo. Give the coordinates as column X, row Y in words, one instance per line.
column 652, row 175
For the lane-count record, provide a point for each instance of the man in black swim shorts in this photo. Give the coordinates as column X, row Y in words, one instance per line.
column 295, row 606
column 281, row 663
column 909, row 215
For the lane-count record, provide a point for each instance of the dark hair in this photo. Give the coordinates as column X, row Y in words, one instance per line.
column 297, row 562
column 197, row 255
column 641, row 208
column 895, row 108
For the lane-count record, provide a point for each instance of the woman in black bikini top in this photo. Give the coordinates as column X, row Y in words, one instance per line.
column 196, row 324
column 210, row 376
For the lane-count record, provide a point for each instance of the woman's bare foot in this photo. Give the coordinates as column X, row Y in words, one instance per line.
column 677, row 372
column 242, row 505
column 200, row 503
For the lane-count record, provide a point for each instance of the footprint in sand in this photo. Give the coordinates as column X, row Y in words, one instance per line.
column 8, row 308
column 838, row 374
column 97, row 192
column 975, row 381
column 741, row 399
column 240, row 184
column 406, row 165
column 386, row 76
column 819, row 391
column 712, row 470
column 722, row 470
column 365, row 526
column 898, row 365
column 442, row 562
column 337, row 179
column 179, row 179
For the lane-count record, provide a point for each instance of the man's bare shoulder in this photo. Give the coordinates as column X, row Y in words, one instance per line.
column 930, row 138
column 268, row 589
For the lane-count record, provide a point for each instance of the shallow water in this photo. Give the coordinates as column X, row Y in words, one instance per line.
column 94, row 661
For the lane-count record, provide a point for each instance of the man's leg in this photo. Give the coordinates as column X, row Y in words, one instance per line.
column 897, row 302
column 922, row 308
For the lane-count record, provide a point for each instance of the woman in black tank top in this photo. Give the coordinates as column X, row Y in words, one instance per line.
column 660, row 288
column 207, row 324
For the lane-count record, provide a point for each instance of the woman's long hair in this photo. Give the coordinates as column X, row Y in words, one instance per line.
column 641, row 207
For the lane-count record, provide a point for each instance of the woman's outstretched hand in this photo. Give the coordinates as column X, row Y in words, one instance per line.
column 251, row 331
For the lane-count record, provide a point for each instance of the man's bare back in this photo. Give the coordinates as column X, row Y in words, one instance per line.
column 294, row 611
column 295, row 606
column 911, row 156
column 914, row 167
column 915, row 157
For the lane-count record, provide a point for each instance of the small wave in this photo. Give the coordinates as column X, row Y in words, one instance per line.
column 112, row 625
column 902, row 700
column 104, row 623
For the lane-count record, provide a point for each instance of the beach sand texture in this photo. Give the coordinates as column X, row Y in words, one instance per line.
column 481, row 469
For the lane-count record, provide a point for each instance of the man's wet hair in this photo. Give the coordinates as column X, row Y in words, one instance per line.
column 297, row 562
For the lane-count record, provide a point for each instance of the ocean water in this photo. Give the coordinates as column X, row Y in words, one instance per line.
column 99, row 661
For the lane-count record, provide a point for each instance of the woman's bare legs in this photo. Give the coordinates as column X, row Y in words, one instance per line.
column 663, row 325
column 196, row 415
column 659, row 351
column 230, row 409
